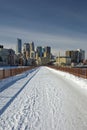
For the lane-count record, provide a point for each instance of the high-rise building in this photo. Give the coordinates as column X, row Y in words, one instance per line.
column 39, row 51
column 47, row 51
column 26, row 50
column 76, row 56
column 26, row 47
column 32, row 46
column 32, row 51
column 1, row 46
column 7, row 56
column 19, row 46
column 81, row 55
column 43, row 55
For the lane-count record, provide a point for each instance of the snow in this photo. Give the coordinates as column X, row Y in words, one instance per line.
column 81, row 83
column 7, row 81
column 43, row 99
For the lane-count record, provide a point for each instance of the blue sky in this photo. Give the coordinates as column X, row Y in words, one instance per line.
column 61, row 24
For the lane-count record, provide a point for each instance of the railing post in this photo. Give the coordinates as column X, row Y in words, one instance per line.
column 86, row 73
column 10, row 72
column 3, row 73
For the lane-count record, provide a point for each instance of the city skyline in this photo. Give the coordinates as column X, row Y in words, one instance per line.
column 56, row 23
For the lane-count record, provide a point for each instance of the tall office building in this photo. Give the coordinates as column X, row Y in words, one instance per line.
column 39, row 51
column 1, row 46
column 32, row 46
column 47, row 51
column 7, row 56
column 76, row 56
column 26, row 50
column 26, row 47
column 19, row 46
column 81, row 55
column 32, row 51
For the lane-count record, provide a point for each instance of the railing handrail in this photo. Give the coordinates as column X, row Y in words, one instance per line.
column 4, row 73
column 80, row 72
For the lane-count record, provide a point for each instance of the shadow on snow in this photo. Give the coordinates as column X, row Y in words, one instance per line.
column 11, row 100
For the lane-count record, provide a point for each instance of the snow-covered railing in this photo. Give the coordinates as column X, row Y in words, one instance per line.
column 80, row 72
column 7, row 72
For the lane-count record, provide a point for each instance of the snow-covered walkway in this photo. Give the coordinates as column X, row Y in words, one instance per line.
column 44, row 100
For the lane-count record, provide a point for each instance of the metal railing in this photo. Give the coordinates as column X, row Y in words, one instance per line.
column 80, row 72
column 4, row 73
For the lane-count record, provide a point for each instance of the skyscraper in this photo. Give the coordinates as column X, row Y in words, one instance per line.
column 39, row 51
column 81, row 55
column 26, row 47
column 76, row 56
column 19, row 46
column 47, row 51
column 31, row 46
column 26, row 50
column 32, row 51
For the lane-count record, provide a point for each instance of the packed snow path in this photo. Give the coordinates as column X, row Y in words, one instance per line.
column 43, row 100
